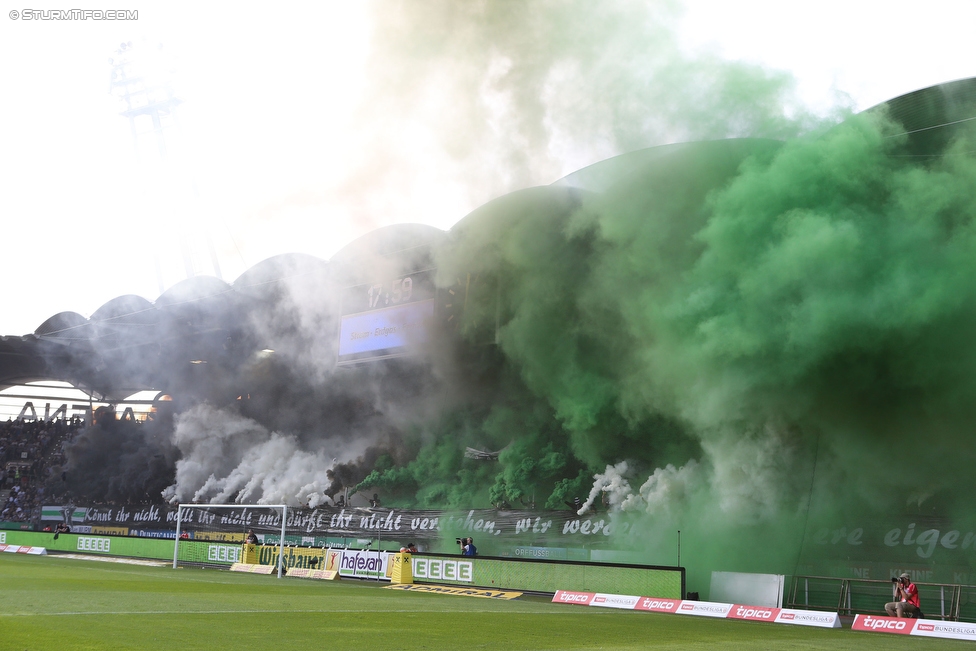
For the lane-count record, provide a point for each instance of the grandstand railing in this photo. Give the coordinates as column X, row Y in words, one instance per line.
column 946, row 601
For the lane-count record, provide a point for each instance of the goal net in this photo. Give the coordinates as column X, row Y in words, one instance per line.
column 215, row 534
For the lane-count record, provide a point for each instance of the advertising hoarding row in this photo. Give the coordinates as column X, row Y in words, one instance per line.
column 932, row 550
column 700, row 608
column 511, row 574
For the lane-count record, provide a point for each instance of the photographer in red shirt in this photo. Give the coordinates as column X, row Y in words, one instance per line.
column 906, row 602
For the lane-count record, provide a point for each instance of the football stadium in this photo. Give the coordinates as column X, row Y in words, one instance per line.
column 723, row 378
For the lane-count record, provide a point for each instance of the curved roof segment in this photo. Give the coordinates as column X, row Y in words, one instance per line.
column 601, row 176
column 124, row 314
column 933, row 116
column 388, row 241
column 193, row 290
column 65, row 325
column 386, row 252
column 266, row 277
column 124, row 309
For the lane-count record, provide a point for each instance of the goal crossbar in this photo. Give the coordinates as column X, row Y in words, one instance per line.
column 281, row 540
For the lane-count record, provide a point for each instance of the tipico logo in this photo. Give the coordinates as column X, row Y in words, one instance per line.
column 575, row 597
column 879, row 624
column 747, row 612
column 659, row 605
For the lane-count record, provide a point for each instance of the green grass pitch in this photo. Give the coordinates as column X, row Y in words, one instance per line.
column 65, row 604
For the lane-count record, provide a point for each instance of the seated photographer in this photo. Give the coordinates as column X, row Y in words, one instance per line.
column 906, row 602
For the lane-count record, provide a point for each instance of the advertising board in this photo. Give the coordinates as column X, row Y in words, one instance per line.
column 443, row 569
column 353, row 563
column 704, row 609
column 754, row 613
column 919, row 627
column 873, row 623
column 18, row 549
column 655, row 605
column 117, row 546
column 544, row 576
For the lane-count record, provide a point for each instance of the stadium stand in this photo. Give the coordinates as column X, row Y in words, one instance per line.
column 31, row 452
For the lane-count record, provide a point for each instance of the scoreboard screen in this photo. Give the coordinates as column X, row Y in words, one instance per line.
column 386, row 319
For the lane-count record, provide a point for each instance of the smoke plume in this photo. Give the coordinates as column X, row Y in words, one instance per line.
column 503, row 96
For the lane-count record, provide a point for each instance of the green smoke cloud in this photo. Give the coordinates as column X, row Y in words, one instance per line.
column 774, row 335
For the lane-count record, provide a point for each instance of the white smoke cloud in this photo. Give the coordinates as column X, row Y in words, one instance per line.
column 212, row 444
column 745, row 477
column 613, row 483
column 666, row 489
column 275, row 471
column 229, row 458
column 751, row 475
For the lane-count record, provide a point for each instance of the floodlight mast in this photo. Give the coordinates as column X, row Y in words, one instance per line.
column 281, row 540
column 140, row 78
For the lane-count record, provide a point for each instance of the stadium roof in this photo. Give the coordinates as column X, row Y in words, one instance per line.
column 130, row 343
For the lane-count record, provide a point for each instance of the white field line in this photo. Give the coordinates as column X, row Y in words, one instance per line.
column 88, row 613
column 111, row 559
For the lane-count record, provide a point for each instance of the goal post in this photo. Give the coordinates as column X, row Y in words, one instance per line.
column 210, row 522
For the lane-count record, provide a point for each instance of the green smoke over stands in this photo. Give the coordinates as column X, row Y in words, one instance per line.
column 776, row 338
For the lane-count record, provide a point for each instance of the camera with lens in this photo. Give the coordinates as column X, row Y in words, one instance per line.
column 457, row 540
column 895, row 580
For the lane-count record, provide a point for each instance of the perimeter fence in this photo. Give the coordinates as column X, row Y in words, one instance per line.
column 945, row 601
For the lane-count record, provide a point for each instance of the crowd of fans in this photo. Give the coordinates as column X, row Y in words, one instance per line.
column 31, row 451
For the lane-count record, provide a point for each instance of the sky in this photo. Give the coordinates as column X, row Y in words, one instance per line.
column 297, row 131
